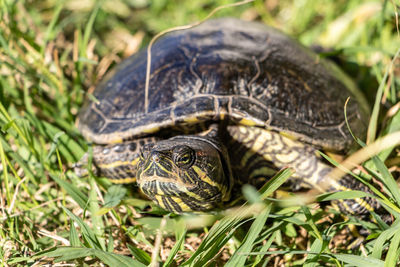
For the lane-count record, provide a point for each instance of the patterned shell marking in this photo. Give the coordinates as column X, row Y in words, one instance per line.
column 227, row 68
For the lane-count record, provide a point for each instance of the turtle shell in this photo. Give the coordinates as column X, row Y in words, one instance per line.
column 244, row 72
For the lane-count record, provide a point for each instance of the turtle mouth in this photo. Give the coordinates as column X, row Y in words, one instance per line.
column 174, row 197
column 164, row 187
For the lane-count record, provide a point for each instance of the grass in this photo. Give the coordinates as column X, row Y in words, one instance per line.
column 52, row 55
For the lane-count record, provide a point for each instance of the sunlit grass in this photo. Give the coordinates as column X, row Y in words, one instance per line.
column 52, row 55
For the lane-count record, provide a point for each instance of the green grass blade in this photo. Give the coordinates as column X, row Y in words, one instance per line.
column 372, row 188
column 140, row 255
column 241, row 254
column 355, row 260
column 311, row 223
column 393, row 126
column 97, row 221
column 392, row 257
column 270, row 238
column 112, row 259
column 18, row 159
column 89, row 28
column 219, row 235
column 342, row 195
column 388, row 179
column 49, row 31
column 87, row 233
column 5, row 173
column 65, row 253
column 73, row 253
column 275, row 182
column 15, row 126
column 68, row 147
column 373, row 123
column 72, row 191
column 315, row 250
column 114, row 195
column 73, row 236
column 384, row 237
column 174, row 250
column 110, row 244
column 216, row 238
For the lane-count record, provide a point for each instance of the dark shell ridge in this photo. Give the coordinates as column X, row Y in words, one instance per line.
column 231, row 67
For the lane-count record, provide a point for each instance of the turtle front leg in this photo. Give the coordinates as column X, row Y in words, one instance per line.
column 257, row 145
column 118, row 162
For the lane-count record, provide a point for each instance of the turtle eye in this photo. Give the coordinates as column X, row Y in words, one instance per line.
column 183, row 156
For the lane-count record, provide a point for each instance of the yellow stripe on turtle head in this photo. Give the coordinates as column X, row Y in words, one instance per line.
column 159, row 200
column 205, row 178
column 180, row 203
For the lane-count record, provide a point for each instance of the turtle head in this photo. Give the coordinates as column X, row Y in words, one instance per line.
column 184, row 173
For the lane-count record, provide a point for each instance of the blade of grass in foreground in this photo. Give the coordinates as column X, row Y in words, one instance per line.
column 218, row 236
column 97, row 221
column 5, row 173
column 387, row 178
column 353, row 260
column 73, row 191
column 275, row 182
column 384, row 237
column 73, row 253
column 87, row 233
column 223, row 230
column 175, row 250
column 241, row 254
column 313, row 255
column 269, row 239
column 394, row 126
column 73, row 236
column 392, row 256
column 356, row 260
column 140, row 255
column 373, row 123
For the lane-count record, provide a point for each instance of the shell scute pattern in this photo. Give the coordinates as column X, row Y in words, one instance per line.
column 235, row 72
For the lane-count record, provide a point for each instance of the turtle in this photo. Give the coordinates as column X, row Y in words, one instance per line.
column 229, row 102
